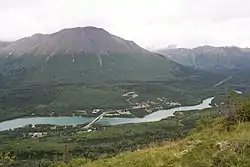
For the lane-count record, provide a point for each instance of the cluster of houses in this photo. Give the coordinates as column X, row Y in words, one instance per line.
column 119, row 113
column 173, row 104
column 141, row 105
column 148, row 106
column 170, row 103
column 155, row 105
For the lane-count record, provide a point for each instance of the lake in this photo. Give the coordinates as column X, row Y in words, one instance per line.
column 156, row 116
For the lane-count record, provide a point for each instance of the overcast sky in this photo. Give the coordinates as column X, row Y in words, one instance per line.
column 150, row 23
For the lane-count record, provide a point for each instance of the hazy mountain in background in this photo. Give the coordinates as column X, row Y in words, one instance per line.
column 211, row 58
column 86, row 54
column 3, row 44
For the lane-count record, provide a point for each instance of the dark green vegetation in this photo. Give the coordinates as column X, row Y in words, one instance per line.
column 222, row 142
column 106, row 142
column 63, row 100
column 67, row 99
column 209, row 146
column 214, row 141
column 88, row 68
column 66, row 71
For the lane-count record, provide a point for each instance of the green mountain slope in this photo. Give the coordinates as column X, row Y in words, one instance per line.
column 89, row 54
column 94, row 68
column 50, row 69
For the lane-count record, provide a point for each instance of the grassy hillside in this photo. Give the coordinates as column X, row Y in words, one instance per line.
column 211, row 146
column 215, row 141
column 208, row 145
column 106, row 142
column 220, row 142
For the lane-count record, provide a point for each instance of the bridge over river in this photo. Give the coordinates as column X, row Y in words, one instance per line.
column 62, row 121
column 97, row 119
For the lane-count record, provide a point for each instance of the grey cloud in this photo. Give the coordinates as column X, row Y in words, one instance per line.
column 217, row 10
column 154, row 23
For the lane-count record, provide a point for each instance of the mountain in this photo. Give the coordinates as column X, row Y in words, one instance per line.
column 87, row 54
column 75, row 40
column 3, row 44
column 211, row 58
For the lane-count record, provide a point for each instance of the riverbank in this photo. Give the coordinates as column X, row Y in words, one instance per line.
column 120, row 113
column 72, row 99
column 29, row 144
column 139, row 111
column 156, row 116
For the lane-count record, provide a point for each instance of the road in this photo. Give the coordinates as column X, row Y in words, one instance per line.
column 223, row 81
column 133, row 97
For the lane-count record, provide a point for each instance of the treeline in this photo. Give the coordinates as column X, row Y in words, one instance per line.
column 106, row 142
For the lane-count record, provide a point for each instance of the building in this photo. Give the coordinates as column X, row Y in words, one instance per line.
column 95, row 111
column 37, row 134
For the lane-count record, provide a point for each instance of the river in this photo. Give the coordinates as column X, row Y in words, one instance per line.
column 156, row 116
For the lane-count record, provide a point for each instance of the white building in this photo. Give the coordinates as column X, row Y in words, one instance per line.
column 38, row 134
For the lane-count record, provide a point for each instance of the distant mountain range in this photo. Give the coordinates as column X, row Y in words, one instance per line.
column 211, row 58
column 87, row 54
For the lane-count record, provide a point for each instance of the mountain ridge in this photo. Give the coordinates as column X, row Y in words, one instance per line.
column 210, row 58
column 75, row 40
column 84, row 54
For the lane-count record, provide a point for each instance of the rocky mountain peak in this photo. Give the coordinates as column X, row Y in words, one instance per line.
column 73, row 40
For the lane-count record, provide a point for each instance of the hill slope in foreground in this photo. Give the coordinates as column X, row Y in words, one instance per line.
column 210, row 144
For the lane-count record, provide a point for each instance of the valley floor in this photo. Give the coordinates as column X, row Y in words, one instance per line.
column 46, row 144
column 217, row 137
column 128, row 99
